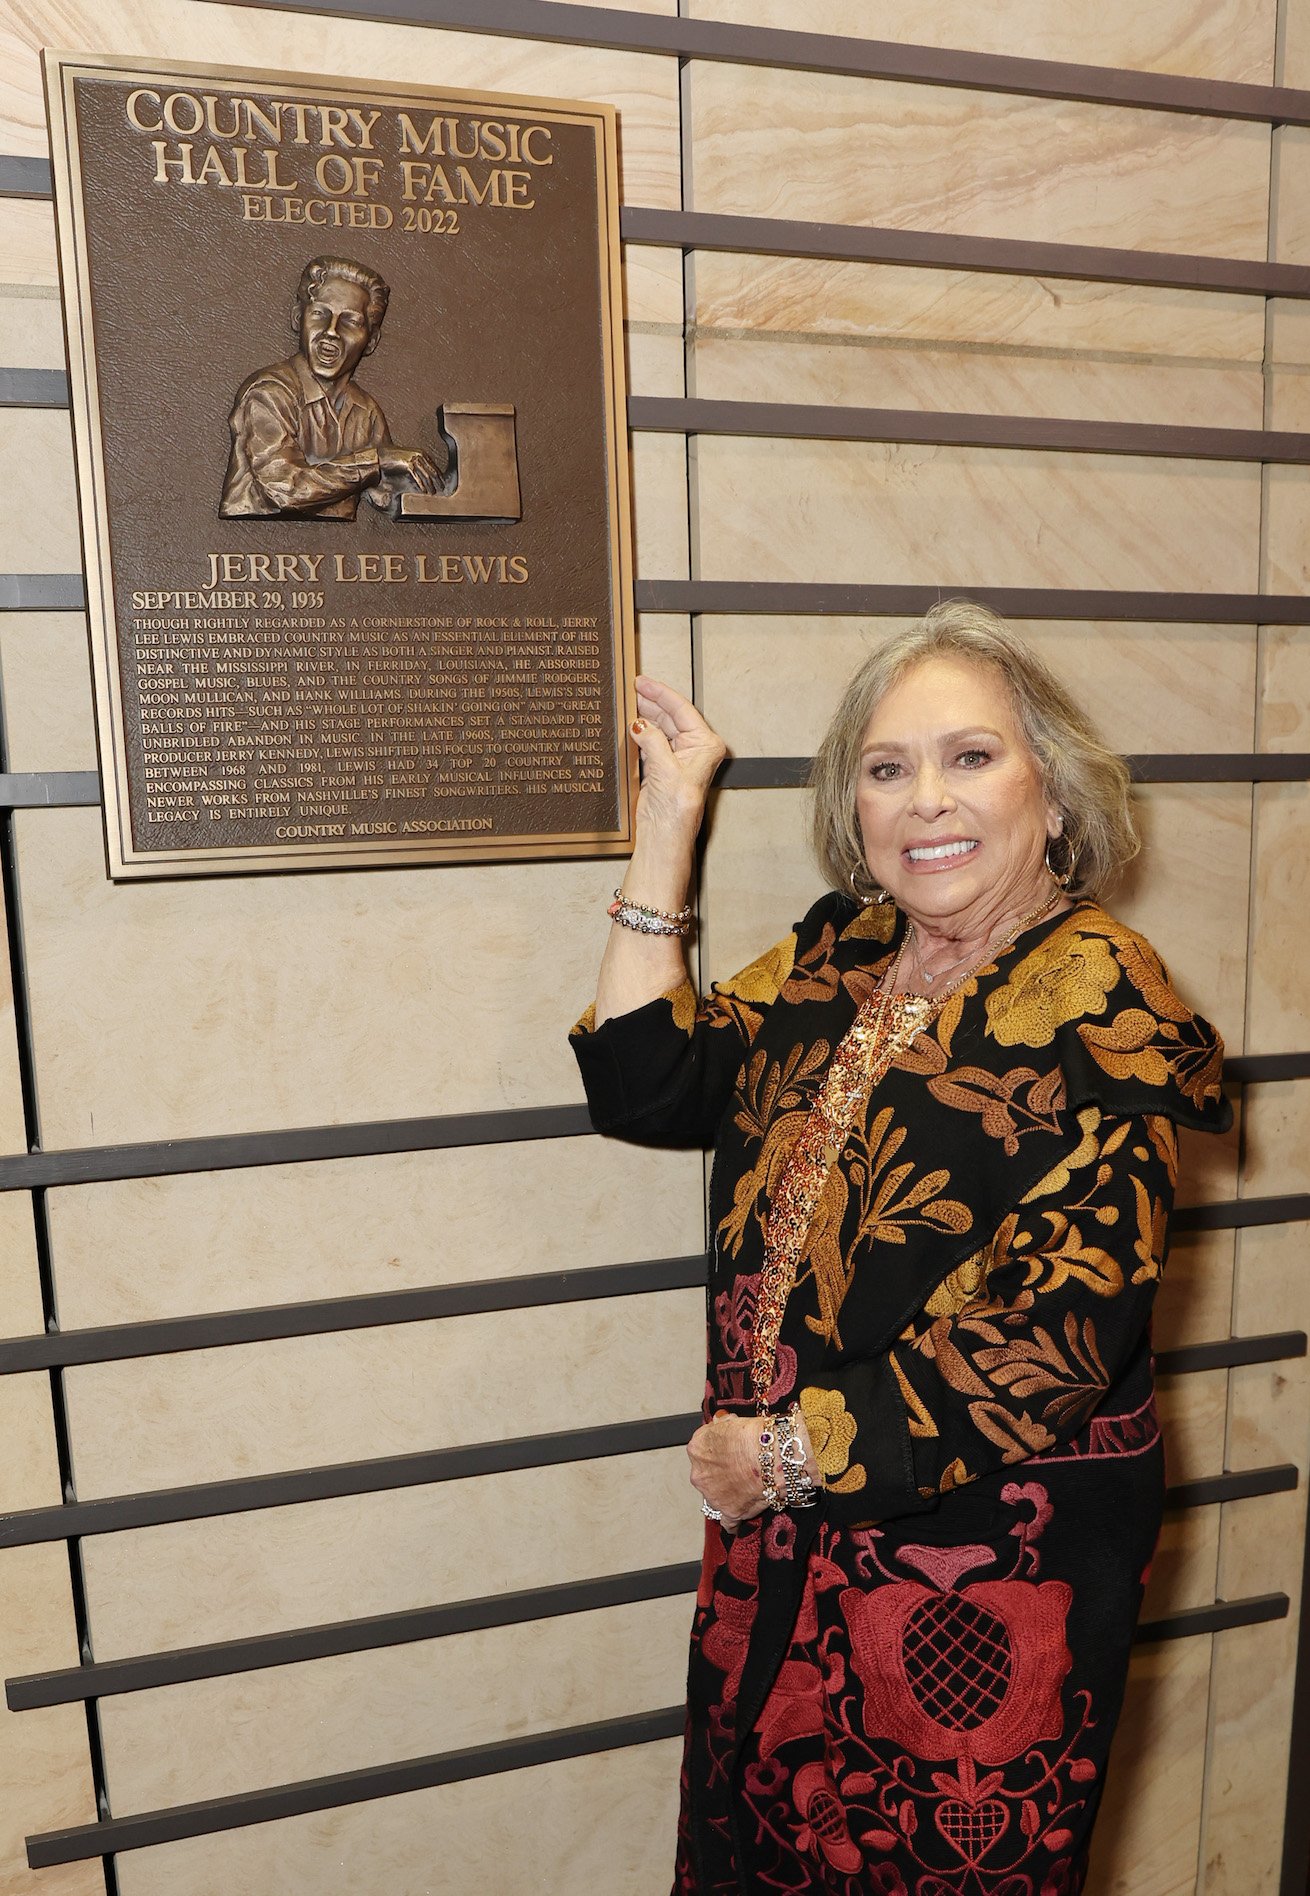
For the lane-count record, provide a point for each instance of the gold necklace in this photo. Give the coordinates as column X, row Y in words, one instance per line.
column 989, row 948
column 883, row 1027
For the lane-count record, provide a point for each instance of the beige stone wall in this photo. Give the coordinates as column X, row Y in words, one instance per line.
column 168, row 1010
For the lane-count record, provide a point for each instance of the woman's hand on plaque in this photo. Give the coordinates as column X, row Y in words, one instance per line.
column 679, row 756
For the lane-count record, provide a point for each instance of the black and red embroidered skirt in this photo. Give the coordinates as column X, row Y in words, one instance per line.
column 940, row 1718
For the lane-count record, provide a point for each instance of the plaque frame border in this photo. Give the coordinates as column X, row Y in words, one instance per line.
column 61, row 68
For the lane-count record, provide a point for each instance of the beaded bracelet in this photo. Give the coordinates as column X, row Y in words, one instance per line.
column 643, row 920
column 663, row 915
column 798, row 1490
column 772, row 1499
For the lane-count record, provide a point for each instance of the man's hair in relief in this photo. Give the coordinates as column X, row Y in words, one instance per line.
column 317, row 271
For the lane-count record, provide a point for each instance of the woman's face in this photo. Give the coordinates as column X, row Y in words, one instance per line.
column 951, row 806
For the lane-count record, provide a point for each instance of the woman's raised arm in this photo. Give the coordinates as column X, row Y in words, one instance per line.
column 679, row 756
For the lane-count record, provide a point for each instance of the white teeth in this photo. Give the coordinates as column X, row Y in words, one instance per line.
column 938, row 850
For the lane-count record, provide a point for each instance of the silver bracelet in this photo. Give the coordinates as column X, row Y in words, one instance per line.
column 643, row 921
column 798, row 1490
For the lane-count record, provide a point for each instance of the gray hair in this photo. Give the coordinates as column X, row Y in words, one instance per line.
column 1089, row 784
column 318, row 269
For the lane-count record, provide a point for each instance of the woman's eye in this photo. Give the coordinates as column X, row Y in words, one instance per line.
column 973, row 759
column 883, row 773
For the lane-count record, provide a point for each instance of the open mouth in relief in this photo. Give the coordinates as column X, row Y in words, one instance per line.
column 943, row 855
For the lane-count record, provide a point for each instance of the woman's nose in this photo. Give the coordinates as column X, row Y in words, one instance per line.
column 931, row 794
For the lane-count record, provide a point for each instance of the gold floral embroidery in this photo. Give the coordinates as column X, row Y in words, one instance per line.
column 771, row 1107
column 832, row 1431
column 682, row 999
column 888, row 1202
column 763, row 979
column 1088, row 1148
column 1021, row 1101
column 1163, row 1135
column 876, row 922
column 1067, row 975
column 1149, row 1246
column 961, row 1286
column 1136, row 1045
column 954, row 1475
column 917, row 1412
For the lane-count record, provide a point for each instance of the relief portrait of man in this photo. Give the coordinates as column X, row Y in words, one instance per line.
column 307, row 440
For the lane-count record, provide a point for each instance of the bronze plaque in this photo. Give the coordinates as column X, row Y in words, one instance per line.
column 347, row 383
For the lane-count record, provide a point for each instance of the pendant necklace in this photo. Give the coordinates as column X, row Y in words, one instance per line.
column 1025, row 921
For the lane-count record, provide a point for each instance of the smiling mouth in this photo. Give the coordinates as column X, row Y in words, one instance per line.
column 941, row 852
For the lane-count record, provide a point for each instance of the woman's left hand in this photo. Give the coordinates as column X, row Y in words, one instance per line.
column 725, row 1466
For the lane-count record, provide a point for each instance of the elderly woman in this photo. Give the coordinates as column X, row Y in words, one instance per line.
column 944, row 1112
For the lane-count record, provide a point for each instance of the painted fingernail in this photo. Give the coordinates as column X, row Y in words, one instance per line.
column 637, row 726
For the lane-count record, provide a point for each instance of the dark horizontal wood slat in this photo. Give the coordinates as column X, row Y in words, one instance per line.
column 114, row 1834
column 856, row 599
column 221, row 1329
column 1240, row 1213
column 293, row 1145
column 80, row 789
column 786, row 773
column 1234, row 1485
column 1222, row 767
column 1221, row 1617
column 1233, row 1352
column 919, row 249
column 42, row 592
column 48, row 388
column 33, row 388
column 170, row 1825
column 25, row 177
column 1258, row 1068
column 846, row 55
column 114, row 1514
column 65, row 592
column 941, row 250
column 148, row 1671
column 49, row 789
column 795, row 421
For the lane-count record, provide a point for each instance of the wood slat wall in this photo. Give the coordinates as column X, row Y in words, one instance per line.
column 232, row 1121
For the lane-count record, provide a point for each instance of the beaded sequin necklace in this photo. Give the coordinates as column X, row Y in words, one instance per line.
column 883, row 1027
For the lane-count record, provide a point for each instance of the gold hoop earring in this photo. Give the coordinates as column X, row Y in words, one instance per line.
column 879, row 895
column 1061, row 877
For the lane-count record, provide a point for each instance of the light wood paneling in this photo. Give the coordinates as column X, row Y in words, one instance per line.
column 169, row 1010
column 771, row 684
column 961, row 517
column 212, row 1415
column 867, row 303
column 201, row 1007
column 1231, row 40
column 344, row 1714
column 773, row 143
column 1149, row 1828
column 269, row 1571
column 597, row 1823
column 353, row 1227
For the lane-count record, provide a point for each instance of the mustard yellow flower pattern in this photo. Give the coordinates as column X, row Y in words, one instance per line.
column 1068, row 976
column 832, row 1432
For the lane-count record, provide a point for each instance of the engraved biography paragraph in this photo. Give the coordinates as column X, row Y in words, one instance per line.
column 350, row 426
